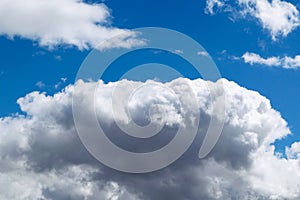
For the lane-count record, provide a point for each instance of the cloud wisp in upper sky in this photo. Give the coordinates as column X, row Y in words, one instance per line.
column 44, row 159
column 62, row 23
column 278, row 17
column 284, row 62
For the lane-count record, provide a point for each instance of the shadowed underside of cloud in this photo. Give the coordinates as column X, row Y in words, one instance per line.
column 62, row 22
column 42, row 157
column 276, row 16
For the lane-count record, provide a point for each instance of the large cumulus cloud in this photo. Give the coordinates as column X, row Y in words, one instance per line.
column 43, row 158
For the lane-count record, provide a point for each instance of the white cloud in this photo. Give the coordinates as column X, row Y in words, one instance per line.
column 60, row 83
column 202, row 53
column 289, row 62
column 285, row 62
column 43, row 150
column 62, row 22
column 278, row 17
column 57, row 57
column 293, row 151
column 211, row 4
column 178, row 51
column 253, row 58
column 40, row 84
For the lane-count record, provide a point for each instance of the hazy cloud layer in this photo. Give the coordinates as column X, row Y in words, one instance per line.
column 42, row 157
column 62, row 22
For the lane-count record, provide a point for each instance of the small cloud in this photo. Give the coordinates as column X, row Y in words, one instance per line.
column 211, row 4
column 253, row 58
column 178, row 51
column 64, row 79
column 262, row 44
column 223, row 55
column 274, row 61
column 224, row 51
column 39, row 53
column 59, row 84
column 202, row 53
column 234, row 58
column 57, row 57
column 40, row 84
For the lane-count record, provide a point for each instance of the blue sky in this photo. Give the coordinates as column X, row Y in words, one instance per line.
column 24, row 62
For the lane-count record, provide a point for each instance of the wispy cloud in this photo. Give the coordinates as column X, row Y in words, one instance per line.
column 59, row 84
column 56, row 86
column 202, row 53
column 40, row 84
column 58, row 57
column 212, row 4
column 274, row 61
column 178, row 51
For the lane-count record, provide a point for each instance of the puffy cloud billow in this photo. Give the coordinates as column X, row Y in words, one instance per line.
column 278, row 17
column 42, row 157
column 63, row 22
